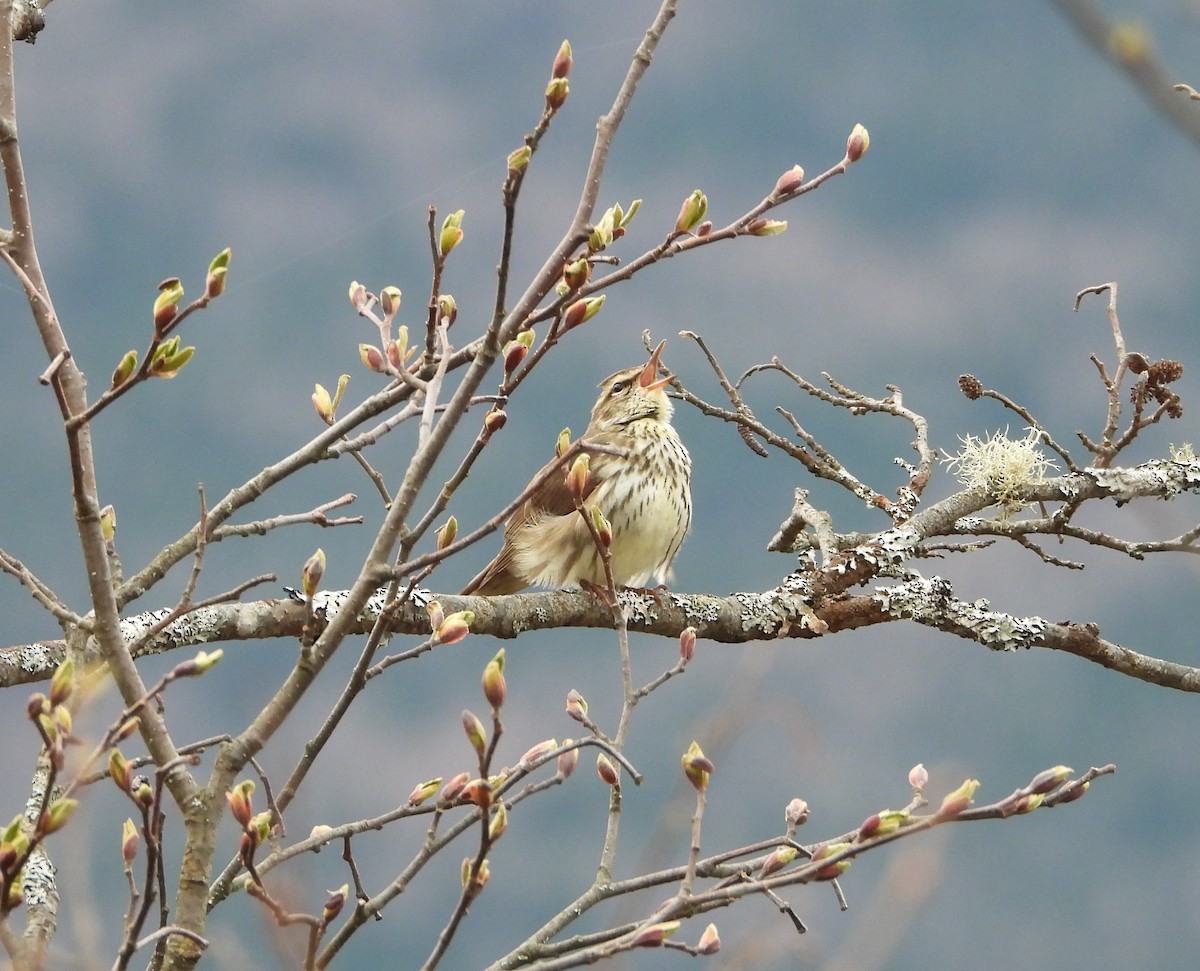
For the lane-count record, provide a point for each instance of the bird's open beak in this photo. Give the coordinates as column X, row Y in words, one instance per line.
column 649, row 379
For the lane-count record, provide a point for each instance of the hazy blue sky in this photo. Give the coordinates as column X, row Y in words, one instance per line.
column 1009, row 168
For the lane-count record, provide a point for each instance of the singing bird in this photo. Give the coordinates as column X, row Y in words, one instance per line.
column 645, row 494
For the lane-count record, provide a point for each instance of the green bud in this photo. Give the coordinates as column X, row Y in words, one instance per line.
column 61, row 682
column 451, row 234
column 312, row 572
column 125, row 369
column 423, row 791
column 389, row 300
column 518, row 161
column 692, row 212
column 476, row 734
column 696, row 767
column 58, row 815
column 214, row 284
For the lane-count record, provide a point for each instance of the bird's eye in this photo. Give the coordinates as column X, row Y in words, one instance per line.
column 617, row 388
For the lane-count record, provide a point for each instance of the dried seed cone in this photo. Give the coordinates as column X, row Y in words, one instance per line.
column 645, row 495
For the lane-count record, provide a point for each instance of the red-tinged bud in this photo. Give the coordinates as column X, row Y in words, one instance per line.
column 1042, row 782
column 452, row 790
column 692, row 212
column 655, row 934
column 495, row 689
column 312, row 572
column 1072, row 791
column 479, row 879
column 499, row 821
column 36, row 706
column 518, row 161
column 537, row 752
column 436, row 614
column 577, row 477
column 125, row 369
column 61, row 682
column 577, row 706
column 766, row 227
column 1027, row 804
column 607, row 771
column 789, row 182
column 131, row 841
column 780, row 857
column 959, row 800
column 514, row 354
column 451, row 234
column 372, row 358
column 478, row 792
column 857, row 144
column 334, row 903
column 562, row 61
column 119, row 770
column 57, row 815
column 166, row 304
column 703, row 229
column 881, row 823
column 128, row 727
column 603, row 526
column 447, row 532
column 455, row 627
column 581, row 311
column 214, row 284
column 563, row 443
column 424, row 790
column 358, row 296
column 323, row 402
column 796, row 813
column 567, row 761
column 197, row 665
column 697, row 767
column 710, row 941
column 918, row 777
column 556, row 93
column 398, row 351
column 476, row 733
column 389, row 301
column 241, row 806
column 687, row 644
column 833, row 870
column 576, row 274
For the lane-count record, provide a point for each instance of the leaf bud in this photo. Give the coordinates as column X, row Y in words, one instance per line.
column 424, row 790
column 240, row 804
column 710, row 941
column 447, row 532
column 563, row 61
column 789, row 182
column 494, row 687
column 312, row 572
column 372, row 358
column 576, row 705
column 119, row 770
column 576, row 274
column 62, row 681
column 687, row 644
column 556, row 93
column 494, row 420
column 499, row 821
column 607, row 771
column 1043, row 782
column 214, row 283
column 692, row 212
column 577, row 477
column 566, row 762
column 602, row 526
column 452, row 790
column 958, row 800
column 125, row 369
column 358, row 296
column 447, row 308
column 323, row 403
column 581, row 311
column 857, row 144
column 767, row 227
column 389, row 300
column 476, row 734
column 131, row 841
column 334, row 903
column 697, row 767
column 166, row 304
column 918, row 777
column 563, row 443
column 57, row 815
column 455, row 627
column 796, row 813
column 478, row 792
column 451, row 234
column 518, row 161
column 655, row 934
column 780, row 857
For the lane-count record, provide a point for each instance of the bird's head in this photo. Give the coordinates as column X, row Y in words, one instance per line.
column 633, row 394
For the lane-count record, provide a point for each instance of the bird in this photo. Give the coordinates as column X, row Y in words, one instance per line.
column 644, row 493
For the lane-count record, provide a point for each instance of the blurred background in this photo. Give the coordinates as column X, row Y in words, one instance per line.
column 1009, row 168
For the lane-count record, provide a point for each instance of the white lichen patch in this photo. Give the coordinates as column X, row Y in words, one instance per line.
column 1004, row 468
column 932, row 602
